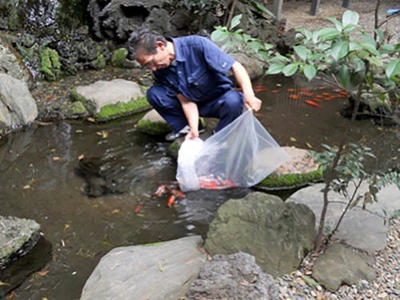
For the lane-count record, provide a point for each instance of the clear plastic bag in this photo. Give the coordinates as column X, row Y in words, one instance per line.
column 241, row 154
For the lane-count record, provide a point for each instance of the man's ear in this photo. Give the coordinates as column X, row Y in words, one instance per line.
column 160, row 44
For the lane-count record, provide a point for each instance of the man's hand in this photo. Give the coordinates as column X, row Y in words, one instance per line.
column 251, row 101
column 192, row 134
column 242, row 77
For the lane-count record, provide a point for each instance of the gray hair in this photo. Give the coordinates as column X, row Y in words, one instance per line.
column 144, row 40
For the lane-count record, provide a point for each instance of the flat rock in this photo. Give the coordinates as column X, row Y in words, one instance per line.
column 155, row 271
column 235, row 276
column 17, row 106
column 299, row 170
column 102, row 93
column 17, row 238
column 340, row 264
column 363, row 229
column 278, row 234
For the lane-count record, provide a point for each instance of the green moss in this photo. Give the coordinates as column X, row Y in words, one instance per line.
column 154, row 244
column 49, row 63
column 153, row 128
column 76, row 96
column 275, row 181
column 113, row 111
column 100, row 62
column 76, row 109
column 118, row 57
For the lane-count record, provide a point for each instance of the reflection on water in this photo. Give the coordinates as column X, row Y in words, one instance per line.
column 38, row 180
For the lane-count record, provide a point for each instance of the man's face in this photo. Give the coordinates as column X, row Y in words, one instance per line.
column 156, row 61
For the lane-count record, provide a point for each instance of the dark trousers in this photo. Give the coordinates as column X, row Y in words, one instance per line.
column 226, row 107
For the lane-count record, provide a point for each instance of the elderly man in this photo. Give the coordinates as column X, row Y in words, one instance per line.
column 192, row 81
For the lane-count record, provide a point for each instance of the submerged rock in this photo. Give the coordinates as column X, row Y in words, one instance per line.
column 278, row 234
column 17, row 238
column 234, row 276
column 155, row 271
column 108, row 100
column 17, row 106
column 340, row 264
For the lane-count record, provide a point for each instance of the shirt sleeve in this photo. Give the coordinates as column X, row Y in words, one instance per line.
column 216, row 59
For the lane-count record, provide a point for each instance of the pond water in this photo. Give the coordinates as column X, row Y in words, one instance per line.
column 39, row 180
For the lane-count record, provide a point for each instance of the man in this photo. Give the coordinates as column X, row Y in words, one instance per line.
column 191, row 81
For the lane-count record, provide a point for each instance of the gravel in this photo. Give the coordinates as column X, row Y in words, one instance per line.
column 386, row 286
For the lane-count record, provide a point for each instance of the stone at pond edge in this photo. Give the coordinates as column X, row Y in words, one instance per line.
column 17, row 106
column 234, row 276
column 340, row 264
column 76, row 109
column 108, row 100
column 278, row 234
column 155, row 271
column 17, row 238
column 290, row 181
column 153, row 124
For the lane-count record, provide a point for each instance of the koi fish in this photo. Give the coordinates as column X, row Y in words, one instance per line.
column 259, row 88
column 138, row 208
column 275, row 91
column 160, row 190
column 294, row 97
column 215, row 184
column 171, row 200
column 291, row 89
column 312, row 103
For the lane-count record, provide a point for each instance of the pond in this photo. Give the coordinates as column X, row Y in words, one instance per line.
column 39, row 180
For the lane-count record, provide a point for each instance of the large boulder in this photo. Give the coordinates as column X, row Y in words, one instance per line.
column 17, row 106
column 253, row 66
column 278, row 234
column 234, row 276
column 155, row 271
column 108, row 100
column 342, row 265
column 361, row 228
column 11, row 63
column 17, row 238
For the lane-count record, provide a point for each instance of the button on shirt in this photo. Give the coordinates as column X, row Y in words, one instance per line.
column 198, row 71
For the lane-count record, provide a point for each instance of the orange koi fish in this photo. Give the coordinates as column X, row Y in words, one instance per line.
column 259, row 88
column 294, row 96
column 312, row 103
column 160, row 190
column 171, row 200
column 138, row 208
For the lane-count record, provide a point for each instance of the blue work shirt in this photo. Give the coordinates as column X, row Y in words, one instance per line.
column 199, row 71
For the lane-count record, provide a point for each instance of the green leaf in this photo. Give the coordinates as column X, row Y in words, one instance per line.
column 338, row 25
column 290, row 69
column 370, row 48
column 354, row 46
column 340, row 49
column 392, row 68
column 219, row 35
column 275, row 69
column 235, row 21
column 380, row 35
column 350, row 17
column 309, row 71
column 325, row 34
column 307, row 33
column 262, row 8
column 344, row 76
column 349, row 28
column 301, row 51
column 375, row 60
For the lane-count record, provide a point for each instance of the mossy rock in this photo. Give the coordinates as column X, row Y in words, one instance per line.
column 121, row 109
column 290, row 181
column 118, row 57
column 153, row 128
column 173, row 148
column 50, row 64
column 76, row 109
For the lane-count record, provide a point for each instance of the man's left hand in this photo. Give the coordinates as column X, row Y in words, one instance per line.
column 251, row 101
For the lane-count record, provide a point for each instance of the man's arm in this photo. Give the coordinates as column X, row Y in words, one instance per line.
column 243, row 79
column 191, row 112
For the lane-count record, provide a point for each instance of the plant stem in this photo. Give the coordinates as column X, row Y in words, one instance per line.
column 346, row 209
column 357, row 99
column 329, row 178
column 228, row 23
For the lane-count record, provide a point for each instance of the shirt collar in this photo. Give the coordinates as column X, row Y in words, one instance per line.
column 178, row 51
